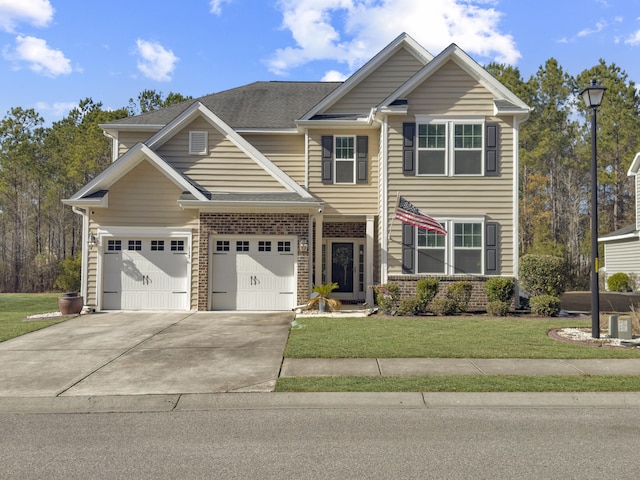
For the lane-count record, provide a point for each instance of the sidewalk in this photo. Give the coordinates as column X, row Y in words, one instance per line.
column 315, row 367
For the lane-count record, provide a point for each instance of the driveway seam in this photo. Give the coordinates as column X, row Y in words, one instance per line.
column 121, row 354
column 476, row 367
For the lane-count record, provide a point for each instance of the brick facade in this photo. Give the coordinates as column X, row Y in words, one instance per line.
column 478, row 302
column 270, row 224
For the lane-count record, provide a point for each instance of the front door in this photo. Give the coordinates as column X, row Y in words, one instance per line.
column 346, row 267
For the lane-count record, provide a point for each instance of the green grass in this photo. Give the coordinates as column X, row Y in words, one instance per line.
column 432, row 337
column 14, row 307
column 463, row 383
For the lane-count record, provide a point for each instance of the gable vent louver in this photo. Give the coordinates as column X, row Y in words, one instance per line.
column 198, row 143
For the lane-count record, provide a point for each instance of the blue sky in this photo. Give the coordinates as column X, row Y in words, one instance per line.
column 54, row 53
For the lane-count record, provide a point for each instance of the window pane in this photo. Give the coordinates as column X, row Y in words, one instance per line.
column 468, row 261
column 468, row 162
column 431, row 162
column 431, row 261
column 468, row 235
column 345, row 147
column 468, row 136
column 344, row 172
column 433, row 135
column 430, row 239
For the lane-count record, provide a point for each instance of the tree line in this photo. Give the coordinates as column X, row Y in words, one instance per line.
column 40, row 166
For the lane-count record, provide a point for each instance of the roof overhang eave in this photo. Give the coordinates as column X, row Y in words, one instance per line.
column 626, row 236
column 240, row 204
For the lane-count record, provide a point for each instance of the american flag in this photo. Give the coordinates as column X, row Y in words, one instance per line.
column 409, row 213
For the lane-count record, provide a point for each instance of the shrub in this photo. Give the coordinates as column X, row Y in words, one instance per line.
column 544, row 274
column 500, row 289
column 410, row 306
column 460, row 294
column 619, row 282
column 426, row 290
column 545, row 305
column 387, row 297
column 69, row 279
column 442, row 306
column 498, row 308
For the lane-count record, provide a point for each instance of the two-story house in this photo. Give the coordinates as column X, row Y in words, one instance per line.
column 246, row 198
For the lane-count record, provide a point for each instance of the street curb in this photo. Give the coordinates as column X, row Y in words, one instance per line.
column 281, row 400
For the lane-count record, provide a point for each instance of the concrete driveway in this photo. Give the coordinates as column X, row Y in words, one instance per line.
column 138, row 353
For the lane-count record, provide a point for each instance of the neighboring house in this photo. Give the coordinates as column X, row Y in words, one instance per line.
column 622, row 247
column 246, row 198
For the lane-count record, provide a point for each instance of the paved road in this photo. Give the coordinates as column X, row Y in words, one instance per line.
column 318, row 443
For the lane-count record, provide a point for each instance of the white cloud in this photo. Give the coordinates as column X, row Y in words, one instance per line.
column 216, row 6
column 39, row 56
column 633, row 39
column 351, row 31
column 56, row 109
column 156, row 62
column 35, row 12
column 601, row 25
column 334, row 76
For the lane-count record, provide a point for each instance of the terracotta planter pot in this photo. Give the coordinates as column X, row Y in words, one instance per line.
column 70, row 304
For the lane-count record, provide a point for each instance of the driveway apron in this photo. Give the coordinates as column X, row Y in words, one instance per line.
column 139, row 353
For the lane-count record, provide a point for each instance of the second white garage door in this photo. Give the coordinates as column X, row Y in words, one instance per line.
column 252, row 273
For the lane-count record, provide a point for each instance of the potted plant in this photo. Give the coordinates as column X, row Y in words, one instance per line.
column 70, row 303
column 321, row 299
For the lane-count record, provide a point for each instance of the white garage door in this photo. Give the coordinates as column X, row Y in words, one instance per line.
column 145, row 274
column 252, row 273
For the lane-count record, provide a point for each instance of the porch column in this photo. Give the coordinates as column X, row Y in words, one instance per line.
column 317, row 252
column 369, row 260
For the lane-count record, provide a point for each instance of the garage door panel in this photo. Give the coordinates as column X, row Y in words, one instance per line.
column 145, row 279
column 252, row 279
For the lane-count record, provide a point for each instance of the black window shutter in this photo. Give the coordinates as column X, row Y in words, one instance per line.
column 408, row 248
column 408, row 148
column 491, row 248
column 491, row 159
column 327, row 159
column 362, row 160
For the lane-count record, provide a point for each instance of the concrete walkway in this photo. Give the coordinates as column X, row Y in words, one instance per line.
column 318, row 367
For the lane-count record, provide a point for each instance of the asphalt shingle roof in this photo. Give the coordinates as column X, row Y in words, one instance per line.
column 271, row 105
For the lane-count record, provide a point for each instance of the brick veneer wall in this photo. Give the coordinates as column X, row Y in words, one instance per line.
column 478, row 300
column 252, row 224
column 344, row 230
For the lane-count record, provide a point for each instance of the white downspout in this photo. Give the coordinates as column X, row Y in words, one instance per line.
column 383, row 224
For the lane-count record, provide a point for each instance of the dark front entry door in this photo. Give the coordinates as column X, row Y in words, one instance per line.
column 342, row 266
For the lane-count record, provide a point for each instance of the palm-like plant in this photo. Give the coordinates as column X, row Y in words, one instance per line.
column 322, row 298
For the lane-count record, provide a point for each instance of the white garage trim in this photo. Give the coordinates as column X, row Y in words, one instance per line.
column 252, row 272
column 142, row 233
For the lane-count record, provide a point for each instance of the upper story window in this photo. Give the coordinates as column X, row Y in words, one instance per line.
column 345, row 159
column 450, row 147
column 198, row 142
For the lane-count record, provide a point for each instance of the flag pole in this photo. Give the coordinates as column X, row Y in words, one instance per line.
column 395, row 211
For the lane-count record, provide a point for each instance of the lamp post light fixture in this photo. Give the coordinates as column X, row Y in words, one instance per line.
column 592, row 96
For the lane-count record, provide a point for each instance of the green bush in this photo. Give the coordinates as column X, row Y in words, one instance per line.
column 460, row 294
column 544, row 274
column 545, row 305
column 426, row 290
column 619, row 282
column 410, row 306
column 500, row 289
column 443, row 306
column 387, row 296
column 69, row 279
column 498, row 308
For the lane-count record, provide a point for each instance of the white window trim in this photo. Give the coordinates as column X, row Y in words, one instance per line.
column 449, row 246
column 344, row 160
column 205, row 149
column 449, row 166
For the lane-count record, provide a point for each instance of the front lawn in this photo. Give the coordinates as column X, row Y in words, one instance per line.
column 433, row 337
column 14, row 307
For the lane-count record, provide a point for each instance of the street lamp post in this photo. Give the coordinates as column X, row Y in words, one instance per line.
column 592, row 96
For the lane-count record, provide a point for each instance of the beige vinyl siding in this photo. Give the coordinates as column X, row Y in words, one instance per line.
column 127, row 140
column 379, row 84
column 451, row 91
column 637, row 182
column 343, row 199
column 145, row 197
column 284, row 150
column 456, row 196
column 622, row 256
column 225, row 168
